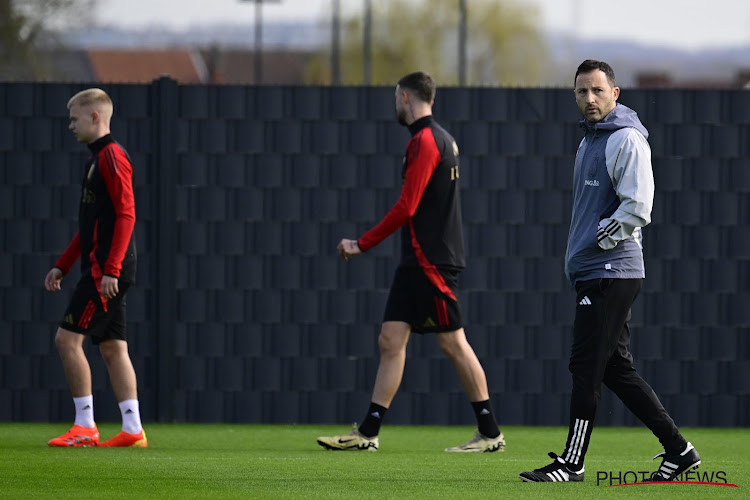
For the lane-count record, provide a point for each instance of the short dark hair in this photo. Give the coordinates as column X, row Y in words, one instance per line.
column 421, row 84
column 590, row 65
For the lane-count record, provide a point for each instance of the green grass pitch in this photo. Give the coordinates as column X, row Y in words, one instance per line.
column 284, row 461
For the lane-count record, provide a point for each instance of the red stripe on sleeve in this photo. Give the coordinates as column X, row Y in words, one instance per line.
column 117, row 172
column 112, row 164
column 70, row 255
column 422, row 159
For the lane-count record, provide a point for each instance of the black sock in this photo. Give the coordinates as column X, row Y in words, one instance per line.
column 677, row 447
column 485, row 419
column 576, row 469
column 371, row 425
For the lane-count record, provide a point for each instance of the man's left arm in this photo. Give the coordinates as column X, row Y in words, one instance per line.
column 423, row 158
column 117, row 173
column 628, row 157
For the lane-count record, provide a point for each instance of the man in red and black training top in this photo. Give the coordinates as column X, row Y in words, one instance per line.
column 105, row 243
column 423, row 294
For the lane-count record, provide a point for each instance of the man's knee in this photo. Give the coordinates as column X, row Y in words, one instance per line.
column 111, row 350
column 388, row 344
column 453, row 343
column 393, row 337
column 67, row 341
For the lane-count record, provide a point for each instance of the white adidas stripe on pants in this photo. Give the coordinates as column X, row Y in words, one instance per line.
column 576, row 443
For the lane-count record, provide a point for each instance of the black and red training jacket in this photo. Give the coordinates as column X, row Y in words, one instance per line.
column 428, row 210
column 105, row 240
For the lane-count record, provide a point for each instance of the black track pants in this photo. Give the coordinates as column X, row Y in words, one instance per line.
column 601, row 353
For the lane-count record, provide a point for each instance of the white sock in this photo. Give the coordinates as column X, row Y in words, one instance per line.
column 85, row 411
column 131, row 416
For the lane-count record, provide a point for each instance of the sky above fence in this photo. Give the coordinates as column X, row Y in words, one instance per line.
column 670, row 23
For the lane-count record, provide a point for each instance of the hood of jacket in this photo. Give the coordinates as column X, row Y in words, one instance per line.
column 620, row 117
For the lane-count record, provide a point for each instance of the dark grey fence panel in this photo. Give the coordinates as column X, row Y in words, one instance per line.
column 243, row 313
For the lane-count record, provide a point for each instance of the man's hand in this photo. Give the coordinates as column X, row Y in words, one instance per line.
column 53, row 280
column 348, row 248
column 110, row 287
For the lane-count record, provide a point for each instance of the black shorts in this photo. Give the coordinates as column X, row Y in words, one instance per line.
column 86, row 313
column 428, row 303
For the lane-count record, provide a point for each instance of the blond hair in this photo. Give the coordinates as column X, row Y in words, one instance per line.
column 96, row 98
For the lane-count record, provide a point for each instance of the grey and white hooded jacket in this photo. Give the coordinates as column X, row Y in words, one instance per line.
column 613, row 193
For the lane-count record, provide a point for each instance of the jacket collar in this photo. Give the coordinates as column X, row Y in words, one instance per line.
column 99, row 144
column 418, row 125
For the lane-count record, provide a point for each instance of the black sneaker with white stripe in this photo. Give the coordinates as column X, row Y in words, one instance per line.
column 555, row 472
column 673, row 465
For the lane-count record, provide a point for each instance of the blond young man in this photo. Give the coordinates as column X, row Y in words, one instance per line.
column 105, row 245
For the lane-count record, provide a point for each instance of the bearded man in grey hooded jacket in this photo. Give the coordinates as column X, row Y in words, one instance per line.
column 613, row 192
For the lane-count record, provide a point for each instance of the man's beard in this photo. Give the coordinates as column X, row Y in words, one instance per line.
column 401, row 117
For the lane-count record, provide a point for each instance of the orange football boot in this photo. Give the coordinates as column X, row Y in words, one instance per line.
column 77, row 436
column 126, row 439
